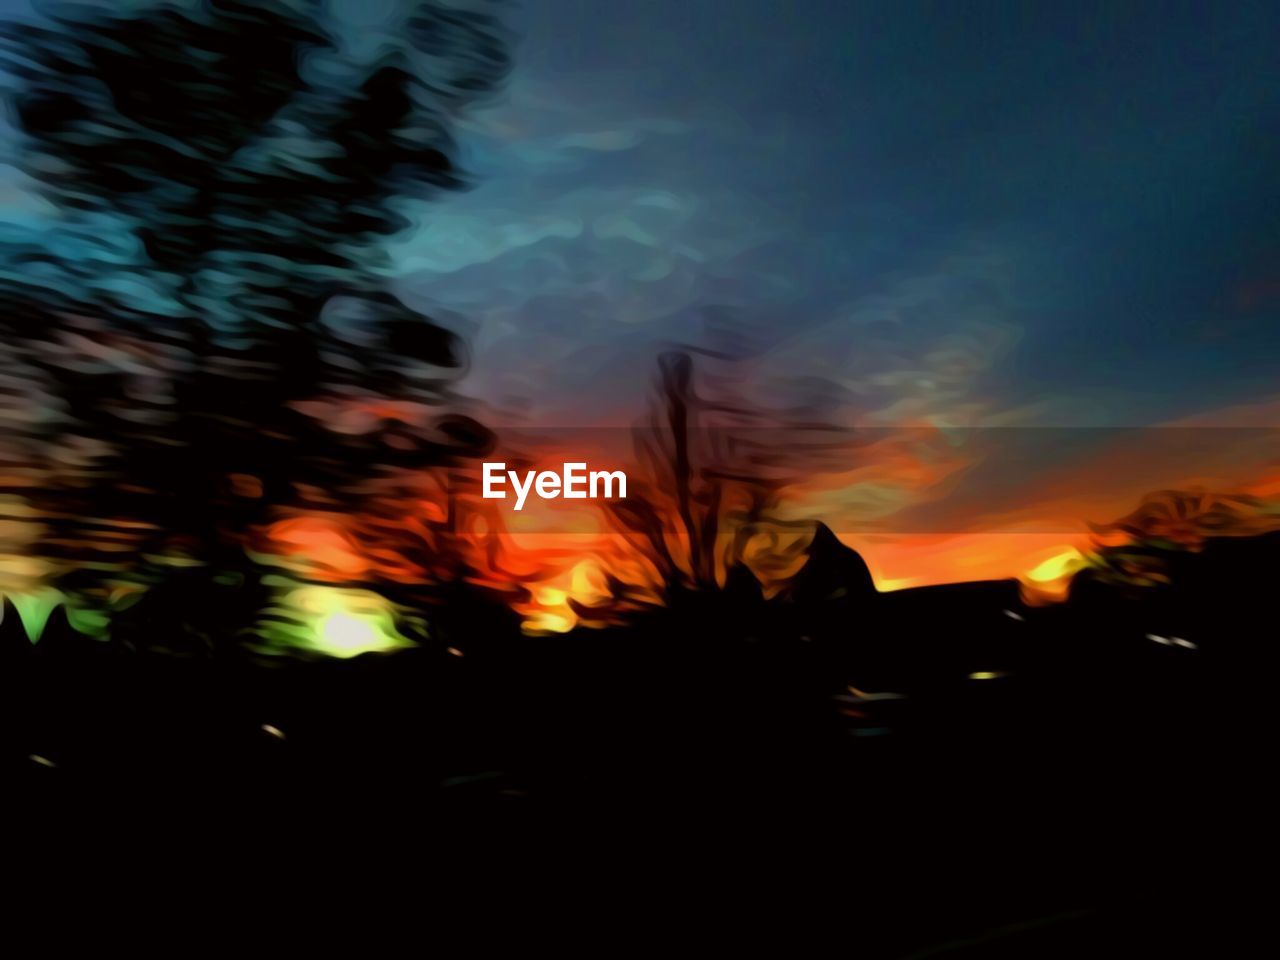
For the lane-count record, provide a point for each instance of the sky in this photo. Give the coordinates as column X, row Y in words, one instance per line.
column 981, row 217
column 995, row 218
column 1064, row 213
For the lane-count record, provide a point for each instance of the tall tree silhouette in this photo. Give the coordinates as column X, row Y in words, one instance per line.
column 249, row 166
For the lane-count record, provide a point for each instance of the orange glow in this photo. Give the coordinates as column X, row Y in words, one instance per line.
column 322, row 543
column 564, row 565
column 554, row 606
column 917, row 560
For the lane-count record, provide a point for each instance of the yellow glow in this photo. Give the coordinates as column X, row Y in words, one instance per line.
column 546, row 621
column 1056, row 567
column 550, row 608
column 344, row 634
column 588, row 584
column 550, row 596
column 896, row 583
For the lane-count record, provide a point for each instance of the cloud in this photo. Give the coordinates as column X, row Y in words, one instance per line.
column 600, row 233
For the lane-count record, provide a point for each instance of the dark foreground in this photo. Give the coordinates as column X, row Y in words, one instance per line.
column 935, row 773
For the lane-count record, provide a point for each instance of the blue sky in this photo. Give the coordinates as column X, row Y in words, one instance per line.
column 969, row 213
column 977, row 213
column 1011, row 215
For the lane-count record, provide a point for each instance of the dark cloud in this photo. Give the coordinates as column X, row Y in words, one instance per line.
column 807, row 165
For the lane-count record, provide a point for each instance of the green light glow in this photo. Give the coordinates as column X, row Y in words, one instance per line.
column 334, row 621
column 92, row 623
column 34, row 610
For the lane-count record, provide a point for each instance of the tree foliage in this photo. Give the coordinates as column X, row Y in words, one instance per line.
column 222, row 173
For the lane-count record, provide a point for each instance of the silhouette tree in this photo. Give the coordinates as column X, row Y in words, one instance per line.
column 1166, row 525
column 713, row 471
column 245, row 166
